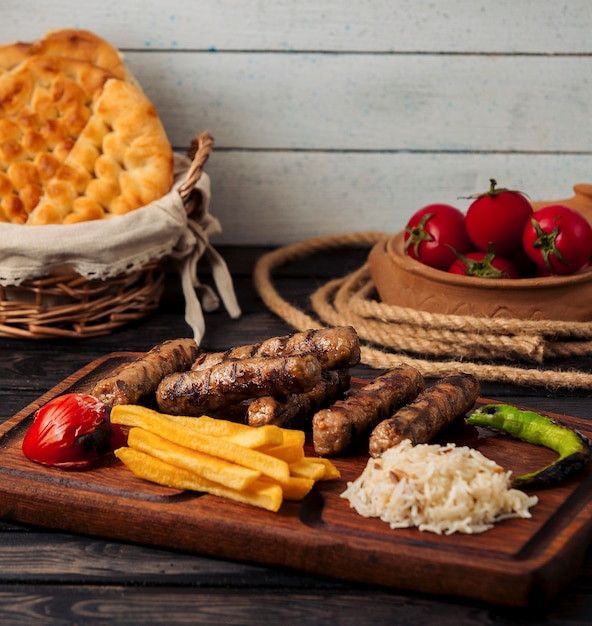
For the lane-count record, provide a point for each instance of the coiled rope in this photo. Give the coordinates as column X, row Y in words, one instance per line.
column 392, row 334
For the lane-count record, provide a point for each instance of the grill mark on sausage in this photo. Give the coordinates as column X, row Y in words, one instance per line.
column 132, row 381
column 429, row 414
column 229, row 382
column 337, row 427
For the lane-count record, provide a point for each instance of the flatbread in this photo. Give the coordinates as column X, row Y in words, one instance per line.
column 77, row 141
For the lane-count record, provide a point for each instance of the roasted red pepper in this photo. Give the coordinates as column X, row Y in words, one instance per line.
column 72, row 431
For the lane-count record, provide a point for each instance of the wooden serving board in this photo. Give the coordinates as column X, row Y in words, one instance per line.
column 516, row 563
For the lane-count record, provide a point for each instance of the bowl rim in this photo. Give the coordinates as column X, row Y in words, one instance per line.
column 395, row 251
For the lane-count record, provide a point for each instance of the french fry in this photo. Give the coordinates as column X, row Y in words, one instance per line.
column 294, row 437
column 266, row 495
column 215, row 446
column 288, row 452
column 259, row 438
column 261, row 466
column 210, row 467
column 210, row 425
column 331, row 472
column 307, row 467
column 241, row 434
column 294, row 488
column 132, row 414
column 292, row 447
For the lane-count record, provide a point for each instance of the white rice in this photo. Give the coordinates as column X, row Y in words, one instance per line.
column 442, row 489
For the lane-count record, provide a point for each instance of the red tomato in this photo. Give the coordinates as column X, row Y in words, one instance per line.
column 558, row 239
column 72, row 431
column 434, row 233
column 523, row 263
column 498, row 217
column 541, row 272
column 484, row 265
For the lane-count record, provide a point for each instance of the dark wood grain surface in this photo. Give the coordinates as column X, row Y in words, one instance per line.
column 52, row 577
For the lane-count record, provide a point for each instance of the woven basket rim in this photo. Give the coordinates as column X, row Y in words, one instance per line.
column 67, row 305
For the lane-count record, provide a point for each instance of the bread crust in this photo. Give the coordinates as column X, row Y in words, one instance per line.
column 70, row 43
column 77, row 142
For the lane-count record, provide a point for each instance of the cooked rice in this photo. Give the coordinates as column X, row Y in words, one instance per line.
column 442, row 489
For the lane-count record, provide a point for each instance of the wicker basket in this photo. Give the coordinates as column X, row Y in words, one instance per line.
column 67, row 305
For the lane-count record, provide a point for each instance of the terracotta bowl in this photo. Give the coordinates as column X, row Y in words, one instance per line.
column 403, row 281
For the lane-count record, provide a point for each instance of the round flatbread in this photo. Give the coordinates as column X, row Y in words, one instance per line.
column 77, row 143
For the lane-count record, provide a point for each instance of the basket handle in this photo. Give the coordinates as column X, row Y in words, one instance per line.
column 199, row 152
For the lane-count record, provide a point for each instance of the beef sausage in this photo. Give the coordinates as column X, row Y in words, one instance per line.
column 132, row 381
column 432, row 411
column 337, row 427
column 297, row 410
column 337, row 347
column 197, row 391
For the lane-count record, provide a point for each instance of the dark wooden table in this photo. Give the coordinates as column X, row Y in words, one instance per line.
column 49, row 577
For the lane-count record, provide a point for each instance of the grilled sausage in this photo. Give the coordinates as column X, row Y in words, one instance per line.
column 298, row 408
column 432, row 411
column 132, row 381
column 337, row 347
column 230, row 382
column 337, row 427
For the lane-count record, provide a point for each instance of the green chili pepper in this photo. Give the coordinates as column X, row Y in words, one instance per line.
column 573, row 448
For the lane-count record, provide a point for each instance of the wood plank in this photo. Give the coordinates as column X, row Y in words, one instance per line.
column 275, row 198
column 57, row 557
column 522, row 26
column 412, row 102
column 30, row 605
column 518, row 562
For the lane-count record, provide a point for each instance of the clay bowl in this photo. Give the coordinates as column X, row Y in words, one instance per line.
column 403, row 281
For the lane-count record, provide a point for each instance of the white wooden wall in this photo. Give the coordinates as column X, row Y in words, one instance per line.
column 335, row 116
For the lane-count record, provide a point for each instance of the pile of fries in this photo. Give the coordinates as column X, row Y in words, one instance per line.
column 261, row 466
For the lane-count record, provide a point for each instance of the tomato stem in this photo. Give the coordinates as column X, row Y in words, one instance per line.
column 483, row 268
column 418, row 234
column 545, row 242
column 494, row 191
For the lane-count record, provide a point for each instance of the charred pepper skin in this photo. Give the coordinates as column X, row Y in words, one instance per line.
column 531, row 427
